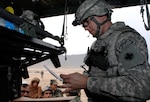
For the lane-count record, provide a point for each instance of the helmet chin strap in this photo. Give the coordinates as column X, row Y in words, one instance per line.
column 97, row 34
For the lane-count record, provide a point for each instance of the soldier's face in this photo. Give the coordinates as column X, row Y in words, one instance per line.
column 89, row 25
column 54, row 86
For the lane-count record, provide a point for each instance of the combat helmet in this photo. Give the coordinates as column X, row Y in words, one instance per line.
column 89, row 8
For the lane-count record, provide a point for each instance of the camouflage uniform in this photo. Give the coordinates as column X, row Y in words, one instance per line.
column 118, row 59
column 76, row 93
column 56, row 93
column 76, row 99
column 128, row 77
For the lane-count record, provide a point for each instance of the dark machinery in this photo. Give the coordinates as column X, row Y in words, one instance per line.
column 18, row 51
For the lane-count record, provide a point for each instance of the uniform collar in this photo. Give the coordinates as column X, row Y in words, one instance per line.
column 114, row 27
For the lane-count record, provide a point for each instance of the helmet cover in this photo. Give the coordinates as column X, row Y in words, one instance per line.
column 90, row 8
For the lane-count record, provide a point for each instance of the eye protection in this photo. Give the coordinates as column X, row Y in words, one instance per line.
column 86, row 22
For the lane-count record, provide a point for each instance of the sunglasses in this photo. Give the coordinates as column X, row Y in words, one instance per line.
column 85, row 22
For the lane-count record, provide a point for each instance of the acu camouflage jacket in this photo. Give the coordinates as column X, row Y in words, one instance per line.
column 128, row 77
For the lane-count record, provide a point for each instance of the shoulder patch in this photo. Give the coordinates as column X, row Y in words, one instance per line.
column 130, row 57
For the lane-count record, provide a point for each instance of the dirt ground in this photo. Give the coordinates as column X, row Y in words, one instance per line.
column 45, row 80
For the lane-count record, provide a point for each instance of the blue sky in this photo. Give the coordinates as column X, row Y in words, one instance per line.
column 77, row 39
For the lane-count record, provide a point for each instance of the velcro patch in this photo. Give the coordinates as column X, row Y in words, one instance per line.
column 130, row 57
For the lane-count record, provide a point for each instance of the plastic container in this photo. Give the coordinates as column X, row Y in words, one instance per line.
column 10, row 25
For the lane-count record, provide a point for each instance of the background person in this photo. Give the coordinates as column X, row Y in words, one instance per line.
column 76, row 93
column 25, row 89
column 35, row 89
column 117, row 60
column 56, row 92
column 42, row 74
column 46, row 92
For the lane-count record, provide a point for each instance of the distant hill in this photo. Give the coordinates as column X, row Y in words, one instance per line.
column 73, row 61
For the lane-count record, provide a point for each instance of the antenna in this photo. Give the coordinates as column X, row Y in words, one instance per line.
column 54, row 74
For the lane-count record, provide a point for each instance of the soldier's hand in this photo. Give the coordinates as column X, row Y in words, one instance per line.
column 73, row 81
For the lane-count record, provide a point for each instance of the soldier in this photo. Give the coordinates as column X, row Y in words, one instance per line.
column 118, row 60
column 56, row 92
column 76, row 93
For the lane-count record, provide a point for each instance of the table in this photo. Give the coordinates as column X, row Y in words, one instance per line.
column 57, row 99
